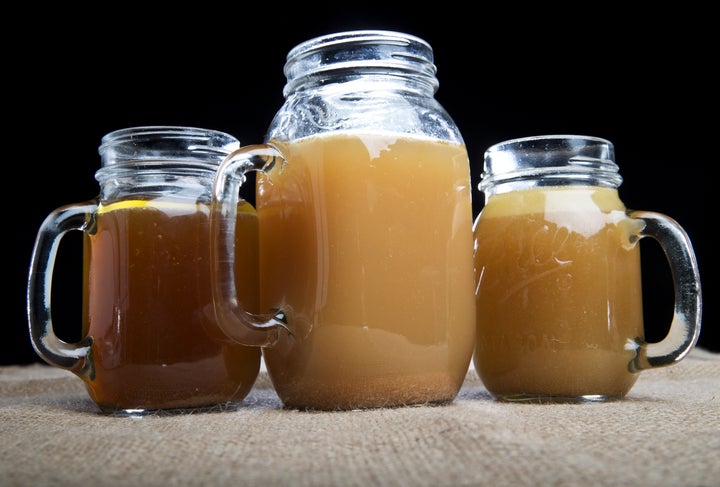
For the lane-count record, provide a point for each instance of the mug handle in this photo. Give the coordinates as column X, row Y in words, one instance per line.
column 237, row 323
column 71, row 356
column 685, row 326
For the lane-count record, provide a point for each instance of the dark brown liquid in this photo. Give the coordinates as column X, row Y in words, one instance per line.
column 156, row 344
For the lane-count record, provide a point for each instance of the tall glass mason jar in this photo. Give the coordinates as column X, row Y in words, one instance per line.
column 365, row 223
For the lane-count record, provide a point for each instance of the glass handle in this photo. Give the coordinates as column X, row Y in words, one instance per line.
column 685, row 326
column 54, row 351
column 239, row 324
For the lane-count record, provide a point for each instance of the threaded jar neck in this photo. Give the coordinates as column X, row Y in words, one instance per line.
column 346, row 56
column 165, row 149
column 153, row 161
column 549, row 160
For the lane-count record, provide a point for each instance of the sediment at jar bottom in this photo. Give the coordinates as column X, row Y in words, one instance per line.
column 369, row 393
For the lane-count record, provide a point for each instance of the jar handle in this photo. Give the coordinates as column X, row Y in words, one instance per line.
column 239, row 324
column 71, row 356
column 685, row 326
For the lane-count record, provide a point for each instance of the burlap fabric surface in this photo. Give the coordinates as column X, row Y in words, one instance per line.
column 665, row 433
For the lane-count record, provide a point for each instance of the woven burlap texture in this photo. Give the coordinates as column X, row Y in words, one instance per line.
column 665, row 433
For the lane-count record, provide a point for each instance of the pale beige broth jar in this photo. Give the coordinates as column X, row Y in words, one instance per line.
column 559, row 293
column 365, row 219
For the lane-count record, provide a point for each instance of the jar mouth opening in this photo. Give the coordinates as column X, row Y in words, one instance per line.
column 165, row 143
column 551, row 159
column 361, row 51
column 359, row 37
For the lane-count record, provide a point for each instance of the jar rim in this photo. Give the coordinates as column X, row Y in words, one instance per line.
column 165, row 143
column 550, row 159
column 360, row 51
column 357, row 37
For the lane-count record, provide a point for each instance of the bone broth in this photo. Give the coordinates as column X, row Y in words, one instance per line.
column 559, row 297
column 370, row 254
column 156, row 343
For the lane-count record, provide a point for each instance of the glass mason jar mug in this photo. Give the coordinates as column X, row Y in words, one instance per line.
column 150, row 337
column 559, row 296
column 365, row 231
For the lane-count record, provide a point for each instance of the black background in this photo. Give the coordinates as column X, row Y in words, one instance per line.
column 637, row 79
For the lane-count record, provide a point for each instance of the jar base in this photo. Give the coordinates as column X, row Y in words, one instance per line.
column 555, row 399
column 175, row 411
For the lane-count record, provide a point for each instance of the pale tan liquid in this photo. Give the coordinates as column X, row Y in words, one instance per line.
column 367, row 244
column 559, row 301
column 156, row 341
